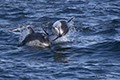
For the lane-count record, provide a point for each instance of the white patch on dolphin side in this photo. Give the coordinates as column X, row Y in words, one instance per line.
column 56, row 28
column 60, row 31
column 37, row 43
column 57, row 24
column 55, row 31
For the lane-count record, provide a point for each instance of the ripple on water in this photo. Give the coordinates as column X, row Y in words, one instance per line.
column 89, row 51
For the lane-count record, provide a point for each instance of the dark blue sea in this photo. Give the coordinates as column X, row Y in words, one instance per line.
column 89, row 51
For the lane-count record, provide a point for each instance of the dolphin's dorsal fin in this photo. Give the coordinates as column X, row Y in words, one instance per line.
column 30, row 30
column 45, row 31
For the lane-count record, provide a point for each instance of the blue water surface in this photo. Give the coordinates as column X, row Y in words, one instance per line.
column 89, row 51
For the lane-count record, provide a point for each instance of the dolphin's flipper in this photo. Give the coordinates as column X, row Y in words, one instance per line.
column 71, row 19
column 56, row 38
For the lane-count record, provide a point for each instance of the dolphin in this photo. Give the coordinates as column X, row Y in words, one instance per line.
column 35, row 39
column 59, row 29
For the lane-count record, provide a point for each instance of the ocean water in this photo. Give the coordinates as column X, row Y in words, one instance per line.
column 89, row 51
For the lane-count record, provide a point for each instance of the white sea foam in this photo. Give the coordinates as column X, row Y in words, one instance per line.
column 24, row 32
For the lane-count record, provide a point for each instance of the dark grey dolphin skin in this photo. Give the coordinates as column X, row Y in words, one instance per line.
column 39, row 39
column 60, row 28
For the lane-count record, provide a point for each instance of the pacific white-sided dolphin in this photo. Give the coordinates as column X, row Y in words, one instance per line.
column 59, row 28
column 35, row 39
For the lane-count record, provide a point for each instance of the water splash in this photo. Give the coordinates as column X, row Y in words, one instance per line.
column 24, row 32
